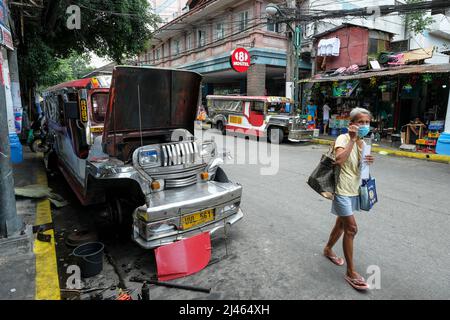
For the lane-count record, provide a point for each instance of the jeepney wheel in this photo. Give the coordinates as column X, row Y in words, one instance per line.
column 119, row 215
column 276, row 135
column 115, row 211
column 39, row 146
column 221, row 127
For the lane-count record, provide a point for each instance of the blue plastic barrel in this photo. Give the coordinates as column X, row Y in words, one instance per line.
column 16, row 148
column 334, row 132
column 443, row 144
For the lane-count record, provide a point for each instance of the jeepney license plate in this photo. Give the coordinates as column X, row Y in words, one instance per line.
column 197, row 218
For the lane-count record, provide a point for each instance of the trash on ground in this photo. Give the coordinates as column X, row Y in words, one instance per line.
column 37, row 191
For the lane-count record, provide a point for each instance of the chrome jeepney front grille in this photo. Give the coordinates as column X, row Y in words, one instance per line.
column 179, row 153
column 181, row 182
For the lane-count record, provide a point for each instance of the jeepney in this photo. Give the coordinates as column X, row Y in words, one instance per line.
column 272, row 117
column 144, row 163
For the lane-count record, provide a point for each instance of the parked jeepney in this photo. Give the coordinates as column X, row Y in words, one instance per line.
column 144, row 162
column 273, row 117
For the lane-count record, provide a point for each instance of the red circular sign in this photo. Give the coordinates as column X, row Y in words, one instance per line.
column 240, row 60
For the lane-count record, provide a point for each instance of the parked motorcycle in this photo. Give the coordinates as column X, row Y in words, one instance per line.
column 37, row 136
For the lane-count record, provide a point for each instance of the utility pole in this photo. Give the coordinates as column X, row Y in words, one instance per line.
column 10, row 223
column 293, row 48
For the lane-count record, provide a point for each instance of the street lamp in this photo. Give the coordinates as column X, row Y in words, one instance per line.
column 274, row 10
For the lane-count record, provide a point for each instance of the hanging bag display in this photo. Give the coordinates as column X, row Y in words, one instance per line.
column 325, row 176
column 368, row 194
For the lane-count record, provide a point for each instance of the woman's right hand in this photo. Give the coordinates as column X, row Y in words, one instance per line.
column 353, row 132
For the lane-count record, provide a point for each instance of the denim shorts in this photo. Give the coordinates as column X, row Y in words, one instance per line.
column 345, row 206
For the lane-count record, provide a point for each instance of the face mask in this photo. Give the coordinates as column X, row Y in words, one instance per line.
column 363, row 131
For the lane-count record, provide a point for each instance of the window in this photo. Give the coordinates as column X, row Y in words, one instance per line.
column 227, row 105
column 189, row 41
column 158, row 54
column 201, row 37
column 243, row 20
column 273, row 27
column 99, row 105
column 220, row 31
column 176, row 47
column 399, row 46
column 258, row 106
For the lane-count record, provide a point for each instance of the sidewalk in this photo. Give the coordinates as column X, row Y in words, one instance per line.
column 385, row 149
column 30, row 275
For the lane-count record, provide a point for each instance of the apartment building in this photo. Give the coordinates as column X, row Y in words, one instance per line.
column 168, row 9
column 203, row 38
column 437, row 35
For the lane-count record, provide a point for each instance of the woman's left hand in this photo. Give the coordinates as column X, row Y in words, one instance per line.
column 369, row 159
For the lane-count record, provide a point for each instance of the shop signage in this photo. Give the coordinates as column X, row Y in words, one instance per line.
column 5, row 34
column 6, row 38
column 2, row 13
column 240, row 60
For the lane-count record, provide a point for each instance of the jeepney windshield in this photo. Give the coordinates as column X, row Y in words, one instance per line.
column 278, row 107
column 99, row 105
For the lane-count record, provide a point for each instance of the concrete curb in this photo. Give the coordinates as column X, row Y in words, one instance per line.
column 399, row 153
column 47, row 280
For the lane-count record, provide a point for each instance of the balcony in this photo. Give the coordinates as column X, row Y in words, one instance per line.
column 441, row 27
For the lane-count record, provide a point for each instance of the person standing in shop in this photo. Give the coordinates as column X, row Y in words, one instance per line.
column 325, row 117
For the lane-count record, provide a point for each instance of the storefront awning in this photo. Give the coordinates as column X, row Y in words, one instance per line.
column 424, row 68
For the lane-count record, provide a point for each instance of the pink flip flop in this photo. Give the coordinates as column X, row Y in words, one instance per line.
column 357, row 283
column 336, row 260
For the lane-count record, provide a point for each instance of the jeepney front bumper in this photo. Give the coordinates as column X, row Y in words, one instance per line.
column 162, row 222
column 301, row 135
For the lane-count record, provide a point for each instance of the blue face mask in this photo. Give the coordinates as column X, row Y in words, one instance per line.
column 363, row 131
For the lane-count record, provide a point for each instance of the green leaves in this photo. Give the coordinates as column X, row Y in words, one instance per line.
column 417, row 22
column 110, row 28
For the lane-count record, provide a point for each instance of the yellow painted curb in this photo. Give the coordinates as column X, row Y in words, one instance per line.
column 399, row 153
column 47, row 282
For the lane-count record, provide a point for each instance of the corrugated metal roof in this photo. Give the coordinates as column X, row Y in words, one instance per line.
column 348, row 25
column 424, row 68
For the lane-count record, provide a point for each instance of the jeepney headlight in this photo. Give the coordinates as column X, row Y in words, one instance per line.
column 149, row 158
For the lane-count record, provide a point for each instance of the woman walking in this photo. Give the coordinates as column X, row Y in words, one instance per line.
column 348, row 149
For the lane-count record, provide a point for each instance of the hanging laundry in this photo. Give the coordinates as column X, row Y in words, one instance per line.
column 329, row 47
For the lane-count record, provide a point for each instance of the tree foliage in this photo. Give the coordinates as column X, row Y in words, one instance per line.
column 115, row 29
column 75, row 66
column 417, row 22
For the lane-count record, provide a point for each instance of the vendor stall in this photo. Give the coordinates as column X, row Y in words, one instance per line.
column 408, row 103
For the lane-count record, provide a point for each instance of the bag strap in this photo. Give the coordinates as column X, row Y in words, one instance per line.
column 330, row 151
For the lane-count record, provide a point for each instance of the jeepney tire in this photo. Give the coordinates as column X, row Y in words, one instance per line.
column 119, row 217
column 220, row 127
column 275, row 135
column 51, row 162
column 38, row 146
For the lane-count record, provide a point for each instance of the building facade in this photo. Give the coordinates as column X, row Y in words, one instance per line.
column 203, row 38
column 437, row 36
column 168, row 9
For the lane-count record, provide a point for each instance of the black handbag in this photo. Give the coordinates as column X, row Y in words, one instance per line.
column 325, row 177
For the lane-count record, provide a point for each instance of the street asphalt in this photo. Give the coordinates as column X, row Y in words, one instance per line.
column 275, row 252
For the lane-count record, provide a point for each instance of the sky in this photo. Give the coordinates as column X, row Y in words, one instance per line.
column 97, row 61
